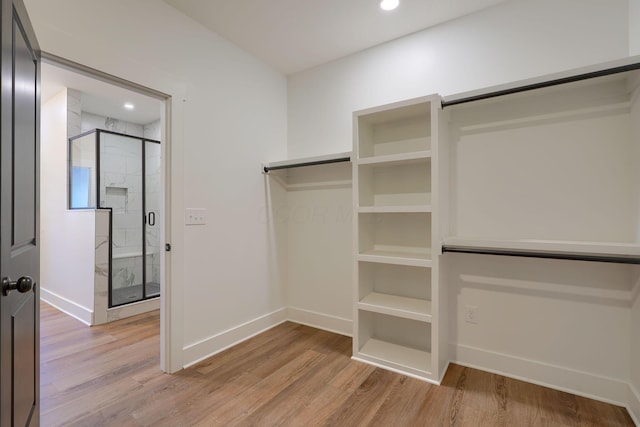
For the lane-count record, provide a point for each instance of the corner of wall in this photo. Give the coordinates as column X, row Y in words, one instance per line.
column 322, row 321
column 217, row 343
column 73, row 309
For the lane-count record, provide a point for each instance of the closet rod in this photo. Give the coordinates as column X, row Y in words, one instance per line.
column 301, row 164
column 549, row 255
column 570, row 79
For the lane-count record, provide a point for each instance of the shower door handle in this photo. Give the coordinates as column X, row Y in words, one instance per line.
column 151, row 219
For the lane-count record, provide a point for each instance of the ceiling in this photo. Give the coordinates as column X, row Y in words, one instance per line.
column 99, row 97
column 293, row 35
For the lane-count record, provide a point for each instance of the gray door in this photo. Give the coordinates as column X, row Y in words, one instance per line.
column 19, row 218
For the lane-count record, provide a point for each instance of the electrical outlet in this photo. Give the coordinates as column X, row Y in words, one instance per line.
column 471, row 314
column 195, row 216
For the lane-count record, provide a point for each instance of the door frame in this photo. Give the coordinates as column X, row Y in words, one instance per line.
column 170, row 360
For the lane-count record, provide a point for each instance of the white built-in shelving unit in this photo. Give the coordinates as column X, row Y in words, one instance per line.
column 545, row 168
column 396, row 238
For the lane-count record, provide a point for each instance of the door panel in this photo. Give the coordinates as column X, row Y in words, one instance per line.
column 24, row 362
column 24, row 146
column 19, row 219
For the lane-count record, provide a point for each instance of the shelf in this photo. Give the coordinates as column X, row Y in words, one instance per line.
column 307, row 161
column 396, row 209
column 318, row 185
column 408, row 308
column 396, row 257
column 395, row 236
column 396, row 356
column 396, row 159
column 615, row 108
column 561, row 249
column 545, row 81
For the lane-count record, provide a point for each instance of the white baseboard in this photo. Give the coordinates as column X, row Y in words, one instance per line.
column 326, row 322
column 634, row 404
column 605, row 389
column 67, row 306
column 208, row 347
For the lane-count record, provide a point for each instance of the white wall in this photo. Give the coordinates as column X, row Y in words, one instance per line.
column 67, row 237
column 512, row 41
column 320, row 261
column 550, row 321
column 228, row 115
column 634, row 27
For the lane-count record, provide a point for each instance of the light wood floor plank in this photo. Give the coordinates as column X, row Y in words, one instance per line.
column 290, row 375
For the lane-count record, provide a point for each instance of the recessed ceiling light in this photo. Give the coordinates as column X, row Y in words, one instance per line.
column 389, row 4
column 129, row 106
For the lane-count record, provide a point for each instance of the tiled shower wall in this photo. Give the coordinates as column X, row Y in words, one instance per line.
column 92, row 121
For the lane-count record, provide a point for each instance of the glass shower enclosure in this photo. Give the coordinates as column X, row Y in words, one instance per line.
column 110, row 170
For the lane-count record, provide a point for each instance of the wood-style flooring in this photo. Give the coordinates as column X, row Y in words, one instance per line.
column 291, row 375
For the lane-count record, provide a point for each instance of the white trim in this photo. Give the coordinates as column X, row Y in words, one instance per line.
column 580, row 383
column 326, row 322
column 633, row 407
column 203, row 349
column 396, row 370
column 67, row 306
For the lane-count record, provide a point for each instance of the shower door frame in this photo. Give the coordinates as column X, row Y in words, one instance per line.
column 97, row 205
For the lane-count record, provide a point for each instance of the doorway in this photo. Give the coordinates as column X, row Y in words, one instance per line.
column 71, row 238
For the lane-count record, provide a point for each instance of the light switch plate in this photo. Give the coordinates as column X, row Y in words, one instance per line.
column 195, row 216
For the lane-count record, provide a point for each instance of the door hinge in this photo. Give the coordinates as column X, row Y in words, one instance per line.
column 167, row 247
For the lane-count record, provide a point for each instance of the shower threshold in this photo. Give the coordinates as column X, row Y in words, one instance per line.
column 133, row 293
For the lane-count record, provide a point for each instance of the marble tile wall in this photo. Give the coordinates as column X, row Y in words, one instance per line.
column 121, row 189
column 152, row 130
column 127, row 270
column 92, row 121
column 101, row 276
column 121, row 174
